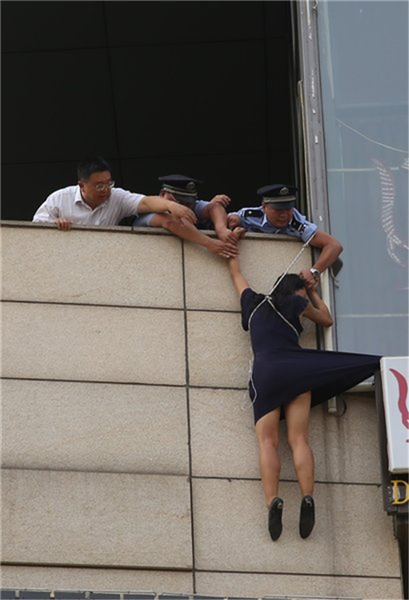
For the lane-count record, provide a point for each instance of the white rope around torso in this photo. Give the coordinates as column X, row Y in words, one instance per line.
column 268, row 299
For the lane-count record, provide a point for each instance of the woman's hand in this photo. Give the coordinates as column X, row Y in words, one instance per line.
column 313, row 287
column 221, row 199
column 233, row 221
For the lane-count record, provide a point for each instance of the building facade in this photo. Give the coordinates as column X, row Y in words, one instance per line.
column 129, row 455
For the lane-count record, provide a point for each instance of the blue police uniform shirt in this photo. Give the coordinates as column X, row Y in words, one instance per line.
column 197, row 207
column 254, row 220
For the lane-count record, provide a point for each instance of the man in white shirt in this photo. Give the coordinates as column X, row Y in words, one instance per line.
column 95, row 201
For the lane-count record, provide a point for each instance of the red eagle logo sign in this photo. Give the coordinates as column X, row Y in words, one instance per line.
column 402, row 397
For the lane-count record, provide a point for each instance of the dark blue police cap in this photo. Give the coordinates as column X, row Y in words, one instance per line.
column 278, row 195
column 181, row 187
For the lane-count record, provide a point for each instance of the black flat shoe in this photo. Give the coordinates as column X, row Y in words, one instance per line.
column 307, row 516
column 275, row 513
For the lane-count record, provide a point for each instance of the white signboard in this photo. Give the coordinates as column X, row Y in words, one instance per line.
column 395, row 383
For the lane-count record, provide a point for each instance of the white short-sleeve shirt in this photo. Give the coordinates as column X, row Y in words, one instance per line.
column 67, row 203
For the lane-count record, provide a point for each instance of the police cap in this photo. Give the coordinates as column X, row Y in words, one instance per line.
column 183, row 188
column 278, row 195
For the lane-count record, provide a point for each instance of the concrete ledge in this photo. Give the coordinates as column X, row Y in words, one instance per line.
column 94, row 427
column 97, row 580
column 285, row 586
column 207, row 583
column 90, row 519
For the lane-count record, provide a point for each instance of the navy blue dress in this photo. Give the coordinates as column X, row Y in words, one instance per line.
column 282, row 369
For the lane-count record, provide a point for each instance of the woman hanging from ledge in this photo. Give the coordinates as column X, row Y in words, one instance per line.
column 287, row 380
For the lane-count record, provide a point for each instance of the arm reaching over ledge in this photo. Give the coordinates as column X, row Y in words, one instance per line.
column 330, row 250
column 180, row 200
column 187, row 231
column 159, row 204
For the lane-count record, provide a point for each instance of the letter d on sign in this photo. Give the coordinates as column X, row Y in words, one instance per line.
column 396, row 492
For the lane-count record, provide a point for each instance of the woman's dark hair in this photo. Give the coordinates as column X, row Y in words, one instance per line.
column 289, row 284
column 92, row 165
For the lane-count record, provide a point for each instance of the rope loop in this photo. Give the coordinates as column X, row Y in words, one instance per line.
column 268, row 299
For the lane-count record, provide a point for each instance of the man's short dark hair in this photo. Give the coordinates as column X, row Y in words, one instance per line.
column 92, row 165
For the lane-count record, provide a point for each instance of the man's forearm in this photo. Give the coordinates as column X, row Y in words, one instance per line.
column 158, row 204
column 327, row 257
column 182, row 229
column 155, row 204
column 330, row 248
column 188, row 232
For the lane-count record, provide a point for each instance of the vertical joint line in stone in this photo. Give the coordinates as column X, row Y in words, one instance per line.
column 189, row 437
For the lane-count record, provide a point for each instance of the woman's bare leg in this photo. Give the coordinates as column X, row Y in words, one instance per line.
column 297, row 414
column 267, row 431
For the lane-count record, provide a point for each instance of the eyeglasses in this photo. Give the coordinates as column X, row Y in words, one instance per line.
column 100, row 187
column 104, row 186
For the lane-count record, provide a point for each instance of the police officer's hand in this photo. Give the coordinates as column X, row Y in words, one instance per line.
column 224, row 249
column 182, row 212
column 63, row 224
column 221, row 199
column 233, row 221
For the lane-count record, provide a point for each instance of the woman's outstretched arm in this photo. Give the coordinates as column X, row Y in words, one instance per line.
column 317, row 311
column 239, row 281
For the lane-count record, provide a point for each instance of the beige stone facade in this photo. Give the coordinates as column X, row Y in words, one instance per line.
column 128, row 451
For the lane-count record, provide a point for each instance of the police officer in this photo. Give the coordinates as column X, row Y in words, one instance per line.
column 277, row 214
column 209, row 215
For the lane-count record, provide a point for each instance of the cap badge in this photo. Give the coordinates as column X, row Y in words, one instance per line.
column 284, row 191
column 191, row 186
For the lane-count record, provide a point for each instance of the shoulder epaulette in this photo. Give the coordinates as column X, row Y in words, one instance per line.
column 253, row 212
column 297, row 225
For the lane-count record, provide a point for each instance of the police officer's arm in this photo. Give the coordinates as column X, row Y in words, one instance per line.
column 330, row 250
column 158, row 204
column 185, row 230
column 240, row 283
